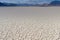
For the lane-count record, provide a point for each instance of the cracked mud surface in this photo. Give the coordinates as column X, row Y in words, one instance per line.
column 43, row 24
column 29, row 30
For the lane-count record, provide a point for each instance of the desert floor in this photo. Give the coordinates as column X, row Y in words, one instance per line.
column 29, row 23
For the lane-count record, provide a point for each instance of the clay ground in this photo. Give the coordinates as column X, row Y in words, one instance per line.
column 29, row 23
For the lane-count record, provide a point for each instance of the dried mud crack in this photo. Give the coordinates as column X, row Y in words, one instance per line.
column 29, row 31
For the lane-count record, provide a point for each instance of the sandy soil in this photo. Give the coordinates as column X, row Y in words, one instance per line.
column 30, row 23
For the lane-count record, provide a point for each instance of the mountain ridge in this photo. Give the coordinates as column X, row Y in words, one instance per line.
column 53, row 3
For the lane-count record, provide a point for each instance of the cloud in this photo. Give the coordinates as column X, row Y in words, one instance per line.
column 27, row 1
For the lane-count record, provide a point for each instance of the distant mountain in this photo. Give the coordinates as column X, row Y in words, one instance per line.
column 7, row 4
column 13, row 4
column 55, row 3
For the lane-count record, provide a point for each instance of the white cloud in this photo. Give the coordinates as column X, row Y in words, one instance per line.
column 27, row 1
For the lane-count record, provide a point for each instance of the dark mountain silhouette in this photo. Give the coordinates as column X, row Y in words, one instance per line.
column 12, row 4
column 55, row 3
column 7, row 4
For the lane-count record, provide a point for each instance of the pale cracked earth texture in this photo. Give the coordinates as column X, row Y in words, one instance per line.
column 35, row 24
column 29, row 31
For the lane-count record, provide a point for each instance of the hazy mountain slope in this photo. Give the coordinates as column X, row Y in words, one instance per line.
column 32, row 3
column 55, row 3
column 7, row 4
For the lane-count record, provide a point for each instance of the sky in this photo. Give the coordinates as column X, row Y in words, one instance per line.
column 26, row 1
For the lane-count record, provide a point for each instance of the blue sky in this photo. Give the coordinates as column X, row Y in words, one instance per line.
column 26, row 1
